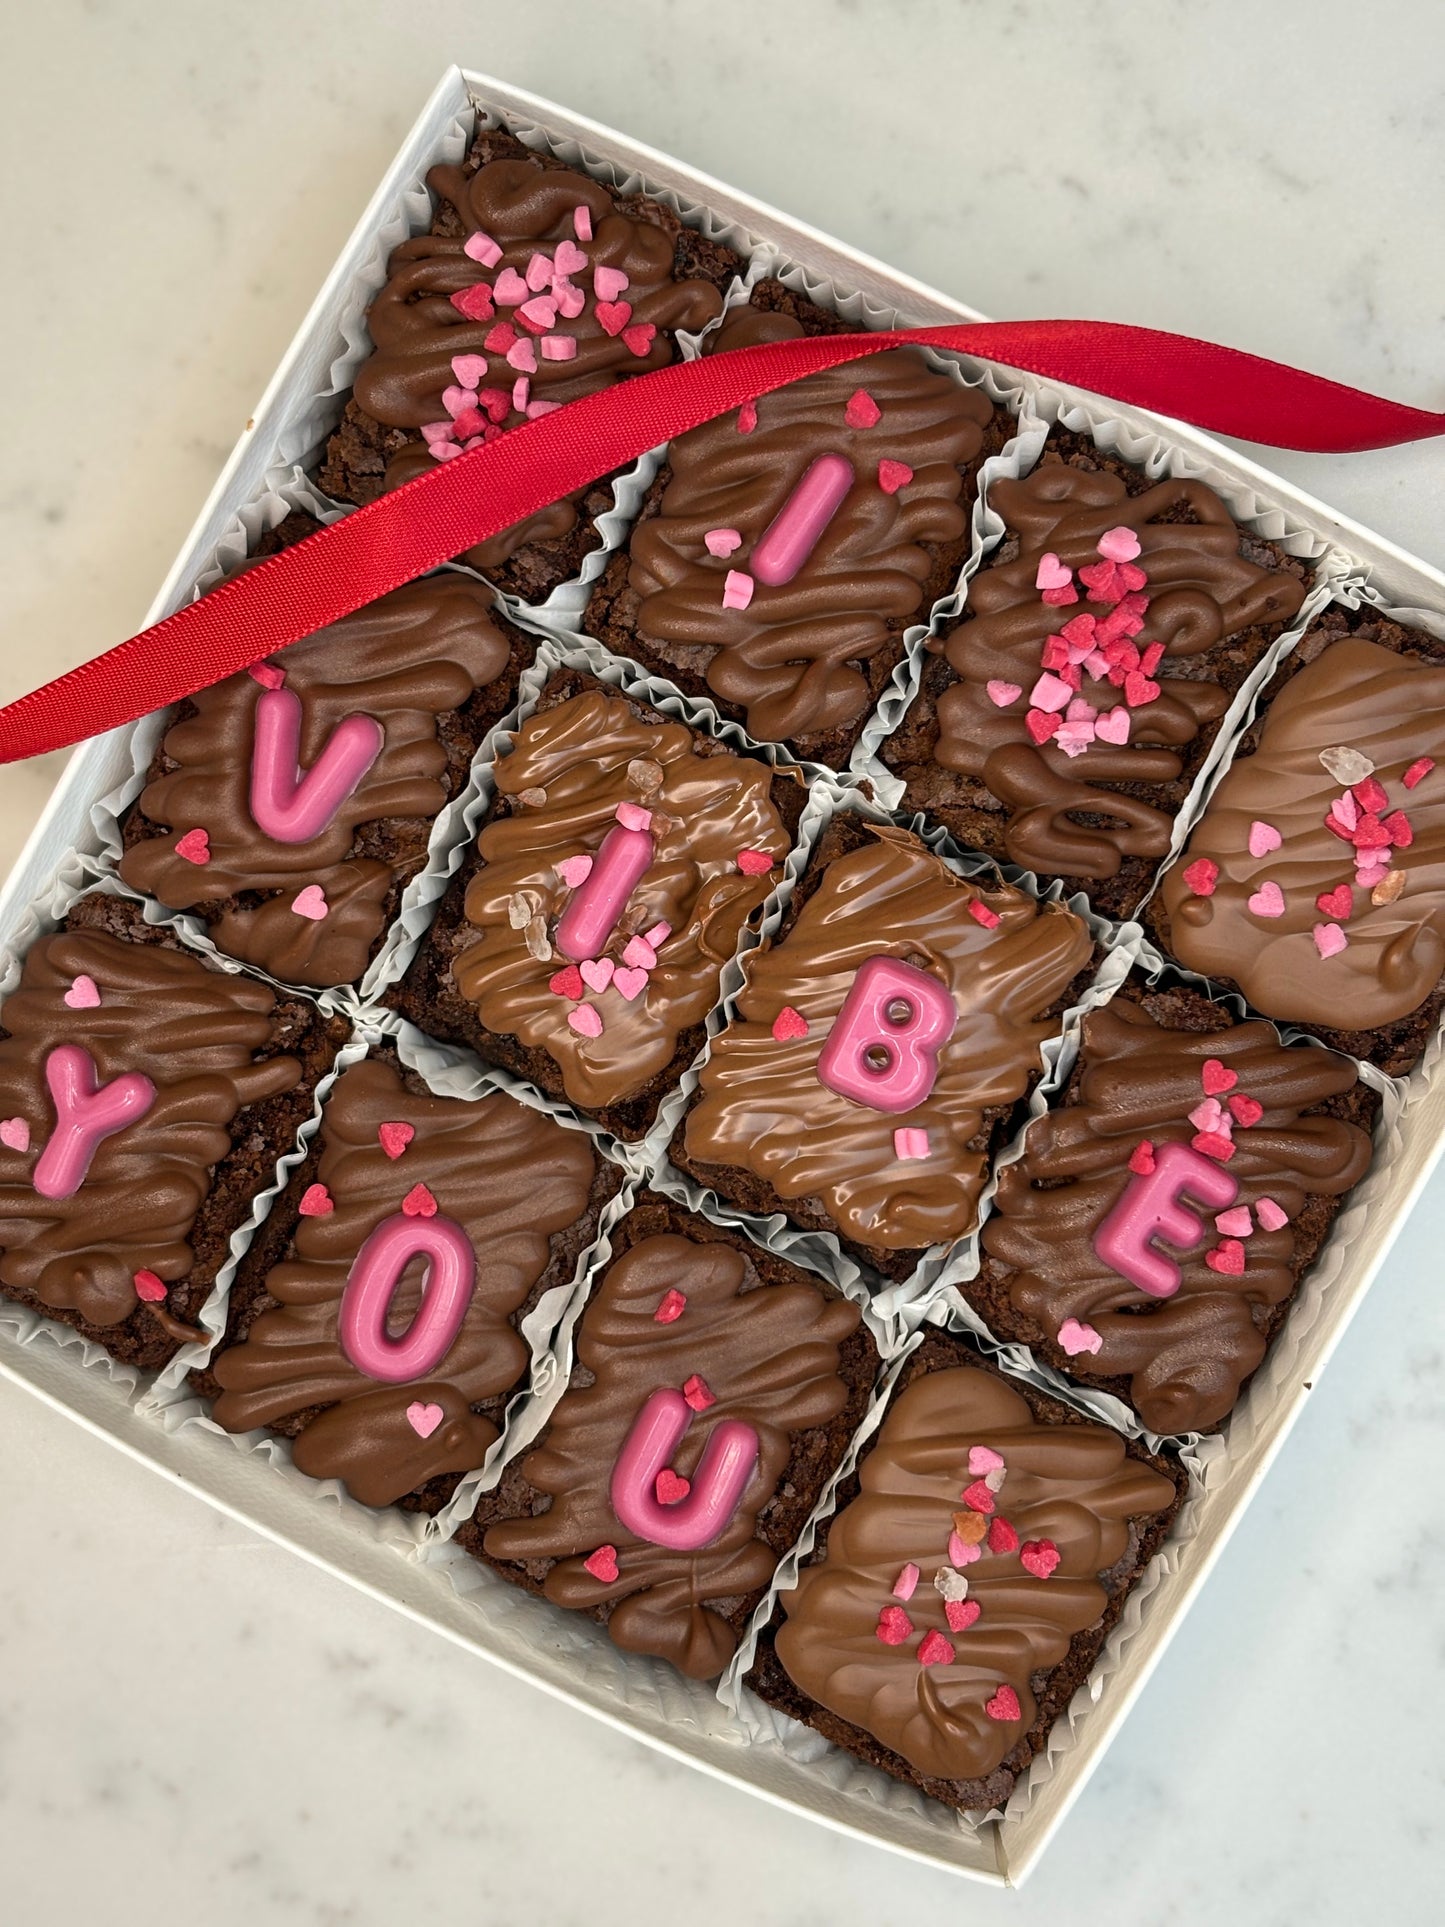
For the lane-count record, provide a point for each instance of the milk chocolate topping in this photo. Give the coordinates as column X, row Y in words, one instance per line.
column 194, row 1033
column 1072, row 1487
column 406, row 661
column 769, row 1358
column 762, row 1105
column 1390, row 709
column 789, row 657
column 582, row 759
column 510, row 1178
column 525, row 209
column 1187, row 1355
column 1200, row 591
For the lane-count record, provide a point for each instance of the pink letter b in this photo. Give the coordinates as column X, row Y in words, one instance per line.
column 883, row 1048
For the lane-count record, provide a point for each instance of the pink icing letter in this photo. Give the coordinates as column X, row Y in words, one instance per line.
column 622, row 862
column 287, row 804
column 792, row 535
column 1151, row 1208
column 883, row 1048
column 451, row 1269
column 85, row 1112
column 719, row 1482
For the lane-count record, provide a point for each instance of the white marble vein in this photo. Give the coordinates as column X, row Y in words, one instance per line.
column 189, row 1718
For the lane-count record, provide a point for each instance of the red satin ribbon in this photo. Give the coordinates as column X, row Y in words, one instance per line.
column 471, row 498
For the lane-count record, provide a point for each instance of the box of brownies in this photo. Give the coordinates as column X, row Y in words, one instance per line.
column 762, row 1098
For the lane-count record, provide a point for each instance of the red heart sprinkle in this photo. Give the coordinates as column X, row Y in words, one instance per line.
column 394, row 1137
column 1337, row 903
column 419, row 1203
column 148, row 1288
column 613, row 316
column 1202, row 876
column 1213, row 1144
column 789, row 1024
column 639, row 338
column 474, row 302
column 978, row 1497
column 195, row 846
column 1041, row 724
column 862, row 411
column 894, row 1626
column 671, row 1489
column 1039, row 1557
column 1004, row 1705
column 960, row 1613
column 893, row 476
column 1138, row 689
column 602, row 1565
column 1401, row 834
column 1418, row 771
column 1370, row 795
column 567, row 983
column 1142, row 1159
column 1151, row 658
column 698, row 1393
column 1371, row 834
column 1247, row 1110
column 754, row 863
column 268, row 674
column 747, row 418
column 315, row 1201
column 1002, row 1536
column 982, row 914
column 1055, row 653
column 501, row 338
column 1227, row 1256
column 1217, row 1078
column 670, row 1308
column 934, row 1649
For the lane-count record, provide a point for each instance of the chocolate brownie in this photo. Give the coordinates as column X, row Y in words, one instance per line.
column 784, row 548
column 377, row 1322
column 146, row 1097
column 961, row 1593
column 1151, row 1238
column 535, row 285
column 788, row 1117
column 1312, row 884
column 1062, row 722
column 716, row 1390
column 596, row 988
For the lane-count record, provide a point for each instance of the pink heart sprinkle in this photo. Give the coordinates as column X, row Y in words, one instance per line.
column 1271, row 1218
column 961, row 1613
column 481, row 247
column 541, row 271
column 607, row 283
column 613, row 316
column 658, row 935
column 568, row 258
column 457, row 401
column 671, row 1306
column 582, row 223
column 722, row 541
column 1075, row 1337
column 523, row 357
column 1001, row 694
column 1004, row 1705
column 1267, row 901
column 698, row 1393
column 419, row 1203
column 194, row 846
column 311, row 902
column 267, row 674
column 640, row 954
column 1050, row 694
column 1263, row 837
column 1330, row 940
column 539, row 314
column 424, row 1419
column 585, row 1020
column 906, row 1584
column 82, row 994
column 598, row 972
column 631, row 983
column 394, row 1137
column 670, row 1488
column 574, row 871
column 1039, row 1557
column 15, row 1134
column 1113, row 726
column 737, row 589
column 315, row 1202
column 1217, row 1077
column 602, row 1564
column 1118, row 545
column 149, row 1288
column 909, row 1143
column 632, row 816
column 1052, row 574
column 509, row 290
column 754, row 863
column 862, row 411
column 570, row 300
column 1235, row 1223
column 789, row 1024
column 961, row 1555
column 1206, row 1116
column 470, row 370
column 983, row 1459
column 893, row 476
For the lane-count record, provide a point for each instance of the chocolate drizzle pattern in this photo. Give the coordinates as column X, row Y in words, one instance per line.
column 1072, row 1486
column 1185, row 1356
column 510, row 1178
column 1389, row 708
column 525, row 209
column 409, row 660
column 192, row 1031
column 570, row 767
column 1201, row 591
column 768, row 1356
column 762, row 1105
column 789, row 658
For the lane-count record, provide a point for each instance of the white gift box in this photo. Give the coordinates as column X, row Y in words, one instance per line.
column 420, row 1575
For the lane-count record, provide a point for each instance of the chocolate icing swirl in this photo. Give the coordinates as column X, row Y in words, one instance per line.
column 762, row 1105
column 1201, row 592
column 408, row 660
column 1071, row 1484
column 584, row 756
column 790, row 658
column 510, row 1178
column 525, row 208
column 1391, row 708
column 1185, row 1356
column 768, row 1355
column 194, row 1032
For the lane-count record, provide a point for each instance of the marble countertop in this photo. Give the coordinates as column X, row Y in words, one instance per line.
column 187, row 1713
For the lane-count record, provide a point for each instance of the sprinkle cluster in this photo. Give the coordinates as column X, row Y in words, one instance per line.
column 1102, row 647
column 977, row 1526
